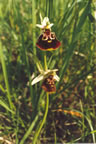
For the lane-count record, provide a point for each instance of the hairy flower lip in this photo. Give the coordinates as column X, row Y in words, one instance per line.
column 47, row 41
column 48, row 45
column 48, row 84
column 45, row 74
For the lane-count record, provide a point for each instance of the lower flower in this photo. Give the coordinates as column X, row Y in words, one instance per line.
column 48, row 77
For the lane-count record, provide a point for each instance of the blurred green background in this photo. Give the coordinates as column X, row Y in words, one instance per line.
column 71, row 117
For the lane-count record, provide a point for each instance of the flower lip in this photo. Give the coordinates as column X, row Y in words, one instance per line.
column 47, row 41
column 49, row 84
column 47, row 44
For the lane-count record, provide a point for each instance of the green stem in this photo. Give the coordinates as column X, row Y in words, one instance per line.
column 5, row 76
column 29, row 75
column 46, row 110
column 43, row 121
column 47, row 7
column 33, row 25
column 45, row 63
column 34, row 47
column 47, row 95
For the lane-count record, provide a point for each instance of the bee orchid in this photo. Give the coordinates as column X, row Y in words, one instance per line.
column 48, row 77
column 47, row 40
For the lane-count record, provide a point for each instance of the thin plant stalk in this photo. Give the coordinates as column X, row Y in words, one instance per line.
column 47, row 95
column 34, row 45
column 33, row 25
column 43, row 121
column 5, row 76
column 45, row 64
column 47, row 7
column 29, row 75
column 46, row 109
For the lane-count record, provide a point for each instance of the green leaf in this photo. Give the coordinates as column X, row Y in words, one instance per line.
column 73, row 42
column 2, row 89
column 93, row 131
column 29, row 129
column 83, row 16
column 3, row 104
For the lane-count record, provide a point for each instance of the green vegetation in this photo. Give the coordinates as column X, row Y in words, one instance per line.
column 24, row 113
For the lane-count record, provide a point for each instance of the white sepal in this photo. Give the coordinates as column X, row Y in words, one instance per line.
column 56, row 77
column 50, row 71
column 45, row 23
column 51, row 25
column 40, row 26
column 37, row 79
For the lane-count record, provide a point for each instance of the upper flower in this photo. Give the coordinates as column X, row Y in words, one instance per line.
column 47, row 40
column 45, row 24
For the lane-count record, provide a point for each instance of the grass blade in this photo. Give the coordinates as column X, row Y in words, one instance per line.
column 73, row 42
column 29, row 130
column 5, row 76
column 3, row 104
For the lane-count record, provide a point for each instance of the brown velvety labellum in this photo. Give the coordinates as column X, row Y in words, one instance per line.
column 47, row 42
column 49, row 84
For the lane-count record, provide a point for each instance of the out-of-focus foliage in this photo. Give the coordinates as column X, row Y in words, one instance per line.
column 74, row 25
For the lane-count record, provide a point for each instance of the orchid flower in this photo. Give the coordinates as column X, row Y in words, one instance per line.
column 47, row 41
column 48, row 77
column 45, row 74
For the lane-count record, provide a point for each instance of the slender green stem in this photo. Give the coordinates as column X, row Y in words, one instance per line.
column 34, row 47
column 50, row 9
column 45, row 63
column 47, row 7
column 34, row 25
column 47, row 95
column 5, row 76
column 43, row 121
column 46, row 109
column 29, row 75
